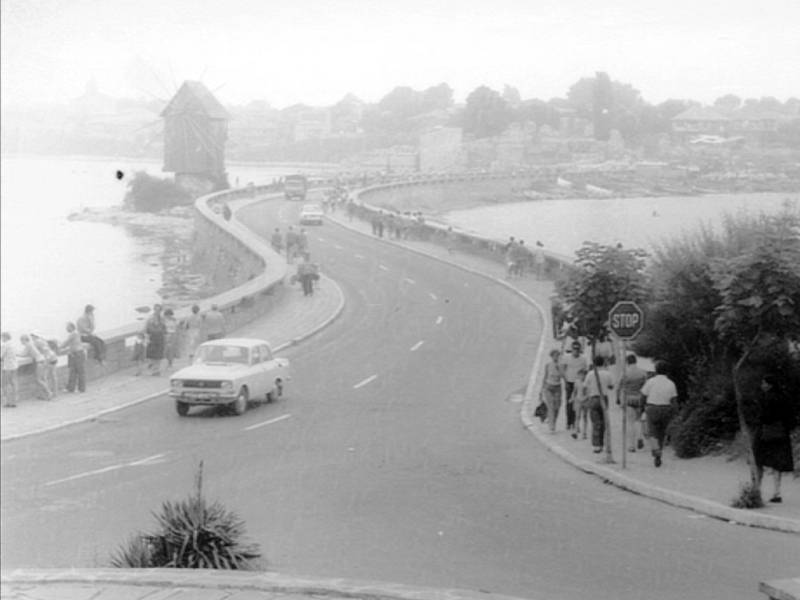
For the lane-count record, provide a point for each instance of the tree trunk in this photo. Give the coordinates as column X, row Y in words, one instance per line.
column 747, row 434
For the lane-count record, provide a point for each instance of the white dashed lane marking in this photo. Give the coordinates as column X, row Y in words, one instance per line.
column 417, row 346
column 433, row 296
column 270, row 422
column 409, row 280
column 150, row 460
column 382, row 268
column 365, row 381
column 439, row 319
column 338, row 247
column 361, row 256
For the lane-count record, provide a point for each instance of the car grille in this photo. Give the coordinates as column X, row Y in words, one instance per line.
column 198, row 383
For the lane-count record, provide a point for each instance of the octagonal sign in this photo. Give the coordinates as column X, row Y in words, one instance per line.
column 626, row 320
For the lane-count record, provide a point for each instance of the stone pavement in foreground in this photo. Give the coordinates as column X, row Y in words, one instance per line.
column 293, row 318
column 706, row 485
column 200, row 584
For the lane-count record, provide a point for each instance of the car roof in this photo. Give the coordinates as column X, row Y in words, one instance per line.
column 312, row 205
column 248, row 342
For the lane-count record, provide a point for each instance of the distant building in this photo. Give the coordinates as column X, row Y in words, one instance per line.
column 195, row 131
column 699, row 121
column 441, row 149
column 700, row 124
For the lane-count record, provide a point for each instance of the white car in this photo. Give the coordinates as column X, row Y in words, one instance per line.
column 232, row 372
column 311, row 214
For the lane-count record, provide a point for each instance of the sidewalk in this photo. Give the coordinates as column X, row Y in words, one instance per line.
column 202, row 584
column 706, row 485
column 293, row 319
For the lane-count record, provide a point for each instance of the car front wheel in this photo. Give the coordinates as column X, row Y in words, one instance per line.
column 182, row 408
column 240, row 404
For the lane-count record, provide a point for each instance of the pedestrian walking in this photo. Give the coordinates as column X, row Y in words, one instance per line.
column 226, row 212
column 276, row 241
column 156, row 332
column 171, row 329
column 573, row 367
column 597, row 400
column 10, row 364
column 139, row 352
column 539, row 260
column 214, row 322
column 86, row 328
column 48, row 351
column 193, row 329
column 773, row 446
column 629, row 393
column 659, row 396
column 307, row 274
column 551, row 389
column 76, row 359
column 291, row 244
column 30, row 351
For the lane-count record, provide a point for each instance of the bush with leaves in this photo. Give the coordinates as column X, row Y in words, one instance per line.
column 152, row 194
column 191, row 534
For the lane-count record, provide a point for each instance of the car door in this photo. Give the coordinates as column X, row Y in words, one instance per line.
column 273, row 367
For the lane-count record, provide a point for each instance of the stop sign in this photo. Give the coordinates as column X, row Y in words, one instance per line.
column 626, row 320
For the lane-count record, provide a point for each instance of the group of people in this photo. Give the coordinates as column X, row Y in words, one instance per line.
column 396, row 225
column 520, row 259
column 587, row 389
column 164, row 337
column 295, row 243
column 42, row 353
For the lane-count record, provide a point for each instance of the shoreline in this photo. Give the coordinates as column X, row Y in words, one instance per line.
column 173, row 232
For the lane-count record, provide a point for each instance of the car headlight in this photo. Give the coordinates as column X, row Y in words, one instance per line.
column 176, row 383
column 227, row 385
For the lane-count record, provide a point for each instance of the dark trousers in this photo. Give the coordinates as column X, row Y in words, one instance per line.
column 98, row 346
column 308, row 285
column 76, row 362
column 570, row 407
column 598, row 422
column 658, row 418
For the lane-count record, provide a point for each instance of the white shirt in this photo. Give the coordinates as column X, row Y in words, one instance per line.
column 573, row 365
column 659, row 390
column 590, row 383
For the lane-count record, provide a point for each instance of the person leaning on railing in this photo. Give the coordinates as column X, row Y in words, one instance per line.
column 76, row 359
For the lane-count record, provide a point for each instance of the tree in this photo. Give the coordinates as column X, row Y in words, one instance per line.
column 437, row 97
column 603, row 276
column 486, row 113
column 511, row 95
column 760, row 292
column 728, row 103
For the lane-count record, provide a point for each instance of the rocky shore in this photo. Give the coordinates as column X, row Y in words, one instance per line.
column 171, row 233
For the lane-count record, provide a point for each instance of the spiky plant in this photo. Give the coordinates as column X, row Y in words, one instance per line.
column 191, row 535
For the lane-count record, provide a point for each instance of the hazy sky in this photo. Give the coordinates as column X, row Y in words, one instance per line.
column 315, row 51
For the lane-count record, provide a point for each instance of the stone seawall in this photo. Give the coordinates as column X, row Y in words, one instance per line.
column 235, row 256
column 396, row 193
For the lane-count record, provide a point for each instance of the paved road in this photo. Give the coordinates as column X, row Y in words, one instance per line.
column 397, row 456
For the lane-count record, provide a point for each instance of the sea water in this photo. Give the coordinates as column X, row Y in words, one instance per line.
column 51, row 267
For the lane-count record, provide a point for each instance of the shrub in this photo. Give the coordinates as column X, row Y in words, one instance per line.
column 191, row 534
column 749, row 497
column 151, row 194
column 701, row 426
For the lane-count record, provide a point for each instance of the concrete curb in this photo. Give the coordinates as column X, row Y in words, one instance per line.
column 707, row 507
column 239, row 581
column 302, row 337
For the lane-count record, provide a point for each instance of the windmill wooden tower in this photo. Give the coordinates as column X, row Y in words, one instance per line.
column 195, row 131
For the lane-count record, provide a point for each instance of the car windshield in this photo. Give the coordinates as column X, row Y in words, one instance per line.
column 312, row 208
column 222, row 354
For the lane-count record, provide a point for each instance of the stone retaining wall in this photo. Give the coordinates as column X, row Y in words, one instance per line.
column 366, row 199
column 244, row 258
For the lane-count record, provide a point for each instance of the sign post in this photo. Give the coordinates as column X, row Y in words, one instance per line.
column 625, row 320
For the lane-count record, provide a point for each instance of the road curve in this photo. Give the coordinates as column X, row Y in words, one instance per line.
column 397, row 456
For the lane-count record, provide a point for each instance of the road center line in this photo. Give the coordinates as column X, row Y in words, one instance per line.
column 416, row 346
column 321, row 239
column 145, row 461
column 433, row 296
column 409, row 280
column 361, row 256
column 365, row 381
column 86, row 474
column 338, row 247
column 270, row 422
column 383, row 268
column 439, row 319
